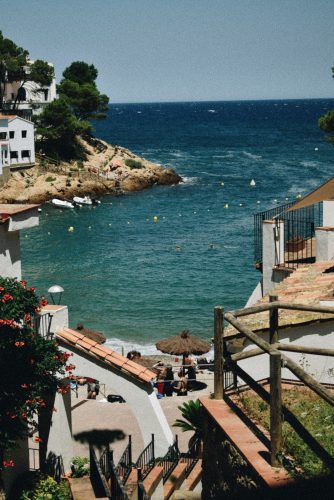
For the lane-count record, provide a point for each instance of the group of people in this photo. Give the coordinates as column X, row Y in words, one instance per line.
column 165, row 384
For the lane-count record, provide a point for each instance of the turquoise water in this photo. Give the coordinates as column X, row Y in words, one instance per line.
column 122, row 272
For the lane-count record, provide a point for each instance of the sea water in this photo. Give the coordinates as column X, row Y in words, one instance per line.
column 139, row 279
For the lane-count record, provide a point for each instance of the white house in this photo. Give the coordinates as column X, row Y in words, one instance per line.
column 31, row 96
column 17, row 143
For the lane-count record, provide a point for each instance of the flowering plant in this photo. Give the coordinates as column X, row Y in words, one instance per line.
column 32, row 367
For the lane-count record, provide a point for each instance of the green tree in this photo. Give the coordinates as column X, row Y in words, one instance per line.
column 31, row 366
column 15, row 67
column 79, row 89
column 57, row 129
column 192, row 412
column 326, row 122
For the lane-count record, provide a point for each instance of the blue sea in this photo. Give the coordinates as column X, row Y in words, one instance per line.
column 138, row 280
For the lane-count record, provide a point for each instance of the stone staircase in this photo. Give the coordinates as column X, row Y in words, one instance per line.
column 149, row 478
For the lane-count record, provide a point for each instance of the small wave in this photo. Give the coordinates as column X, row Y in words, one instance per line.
column 309, row 163
column 212, row 111
column 190, row 180
column 177, row 154
column 139, row 112
column 252, row 156
column 124, row 346
column 228, row 155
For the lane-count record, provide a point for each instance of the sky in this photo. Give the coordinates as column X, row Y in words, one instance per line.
column 184, row 50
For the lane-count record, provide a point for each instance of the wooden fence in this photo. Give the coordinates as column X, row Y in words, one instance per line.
column 278, row 412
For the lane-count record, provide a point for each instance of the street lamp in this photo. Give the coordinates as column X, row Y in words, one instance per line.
column 55, row 292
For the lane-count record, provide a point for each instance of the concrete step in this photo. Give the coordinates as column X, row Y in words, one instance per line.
column 186, row 495
column 153, row 483
column 81, row 488
column 194, row 477
column 175, row 480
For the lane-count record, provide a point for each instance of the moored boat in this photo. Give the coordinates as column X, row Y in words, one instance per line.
column 61, row 203
column 86, row 200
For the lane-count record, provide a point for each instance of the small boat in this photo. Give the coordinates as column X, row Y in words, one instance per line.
column 61, row 203
column 86, row 200
column 95, row 201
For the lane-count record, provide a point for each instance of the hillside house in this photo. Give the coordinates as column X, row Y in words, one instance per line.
column 17, row 142
column 31, row 98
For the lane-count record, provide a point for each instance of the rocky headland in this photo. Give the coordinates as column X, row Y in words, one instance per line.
column 107, row 169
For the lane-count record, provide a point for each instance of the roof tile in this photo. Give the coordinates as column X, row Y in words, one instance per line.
column 109, row 357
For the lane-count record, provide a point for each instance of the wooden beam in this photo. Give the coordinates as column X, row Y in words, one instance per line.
column 248, row 354
column 253, row 310
column 320, row 351
column 290, row 418
column 305, row 307
column 288, row 363
column 218, row 383
column 275, row 408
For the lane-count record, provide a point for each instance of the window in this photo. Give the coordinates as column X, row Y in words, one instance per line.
column 25, row 153
column 11, row 134
column 3, row 136
column 14, row 155
column 24, row 134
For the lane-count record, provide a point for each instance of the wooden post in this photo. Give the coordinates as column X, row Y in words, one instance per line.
column 273, row 321
column 275, row 407
column 218, row 384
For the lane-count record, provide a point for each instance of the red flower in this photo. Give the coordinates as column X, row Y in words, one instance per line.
column 8, row 463
column 38, row 440
column 23, row 283
column 1, row 288
column 7, row 297
column 32, row 289
column 24, row 386
column 43, row 302
column 19, row 344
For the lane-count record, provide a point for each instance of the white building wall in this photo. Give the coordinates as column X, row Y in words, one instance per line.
column 314, row 335
column 20, row 144
column 140, row 397
column 10, row 255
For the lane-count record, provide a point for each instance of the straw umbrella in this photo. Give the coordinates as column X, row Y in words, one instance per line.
column 183, row 345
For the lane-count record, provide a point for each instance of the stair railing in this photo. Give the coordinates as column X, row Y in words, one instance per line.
column 124, row 465
column 190, row 457
column 146, row 459
column 98, row 477
column 170, row 460
column 141, row 493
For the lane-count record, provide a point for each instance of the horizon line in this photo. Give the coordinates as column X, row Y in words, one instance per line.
column 225, row 100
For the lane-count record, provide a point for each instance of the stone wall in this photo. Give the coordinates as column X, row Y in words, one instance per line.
column 226, row 475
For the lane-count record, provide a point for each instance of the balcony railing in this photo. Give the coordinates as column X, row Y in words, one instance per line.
column 146, row 459
column 299, row 233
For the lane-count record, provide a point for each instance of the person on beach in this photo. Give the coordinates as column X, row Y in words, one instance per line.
column 181, row 388
column 93, row 389
column 169, row 382
column 190, row 372
column 160, row 383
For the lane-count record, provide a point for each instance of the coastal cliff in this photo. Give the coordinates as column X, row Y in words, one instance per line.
column 107, row 170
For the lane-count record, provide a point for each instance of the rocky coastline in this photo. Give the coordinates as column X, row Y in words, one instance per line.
column 107, row 169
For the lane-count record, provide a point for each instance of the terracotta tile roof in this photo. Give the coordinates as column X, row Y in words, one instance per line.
column 111, row 358
column 307, row 285
column 15, row 208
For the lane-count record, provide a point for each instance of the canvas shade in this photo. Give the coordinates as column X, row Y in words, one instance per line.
column 321, row 193
column 183, row 344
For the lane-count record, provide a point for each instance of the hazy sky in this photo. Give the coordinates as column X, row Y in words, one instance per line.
column 183, row 50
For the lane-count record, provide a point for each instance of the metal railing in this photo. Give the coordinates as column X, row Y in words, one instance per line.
column 170, row 460
column 97, row 476
column 190, row 457
column 299, row 229
column 141, row 493
column 146, row 459
column 124, row 465
column 42, row 325
column 116, row 488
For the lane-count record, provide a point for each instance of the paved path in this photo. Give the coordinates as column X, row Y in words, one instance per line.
column 94, row 414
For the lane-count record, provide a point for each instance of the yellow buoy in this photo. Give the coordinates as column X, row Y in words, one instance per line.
column 71, row 229
column 155, row 218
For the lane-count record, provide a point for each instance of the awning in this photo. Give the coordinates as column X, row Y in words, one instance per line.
column 321, row 193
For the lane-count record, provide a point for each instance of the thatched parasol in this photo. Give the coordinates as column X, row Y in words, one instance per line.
column 183, row 344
